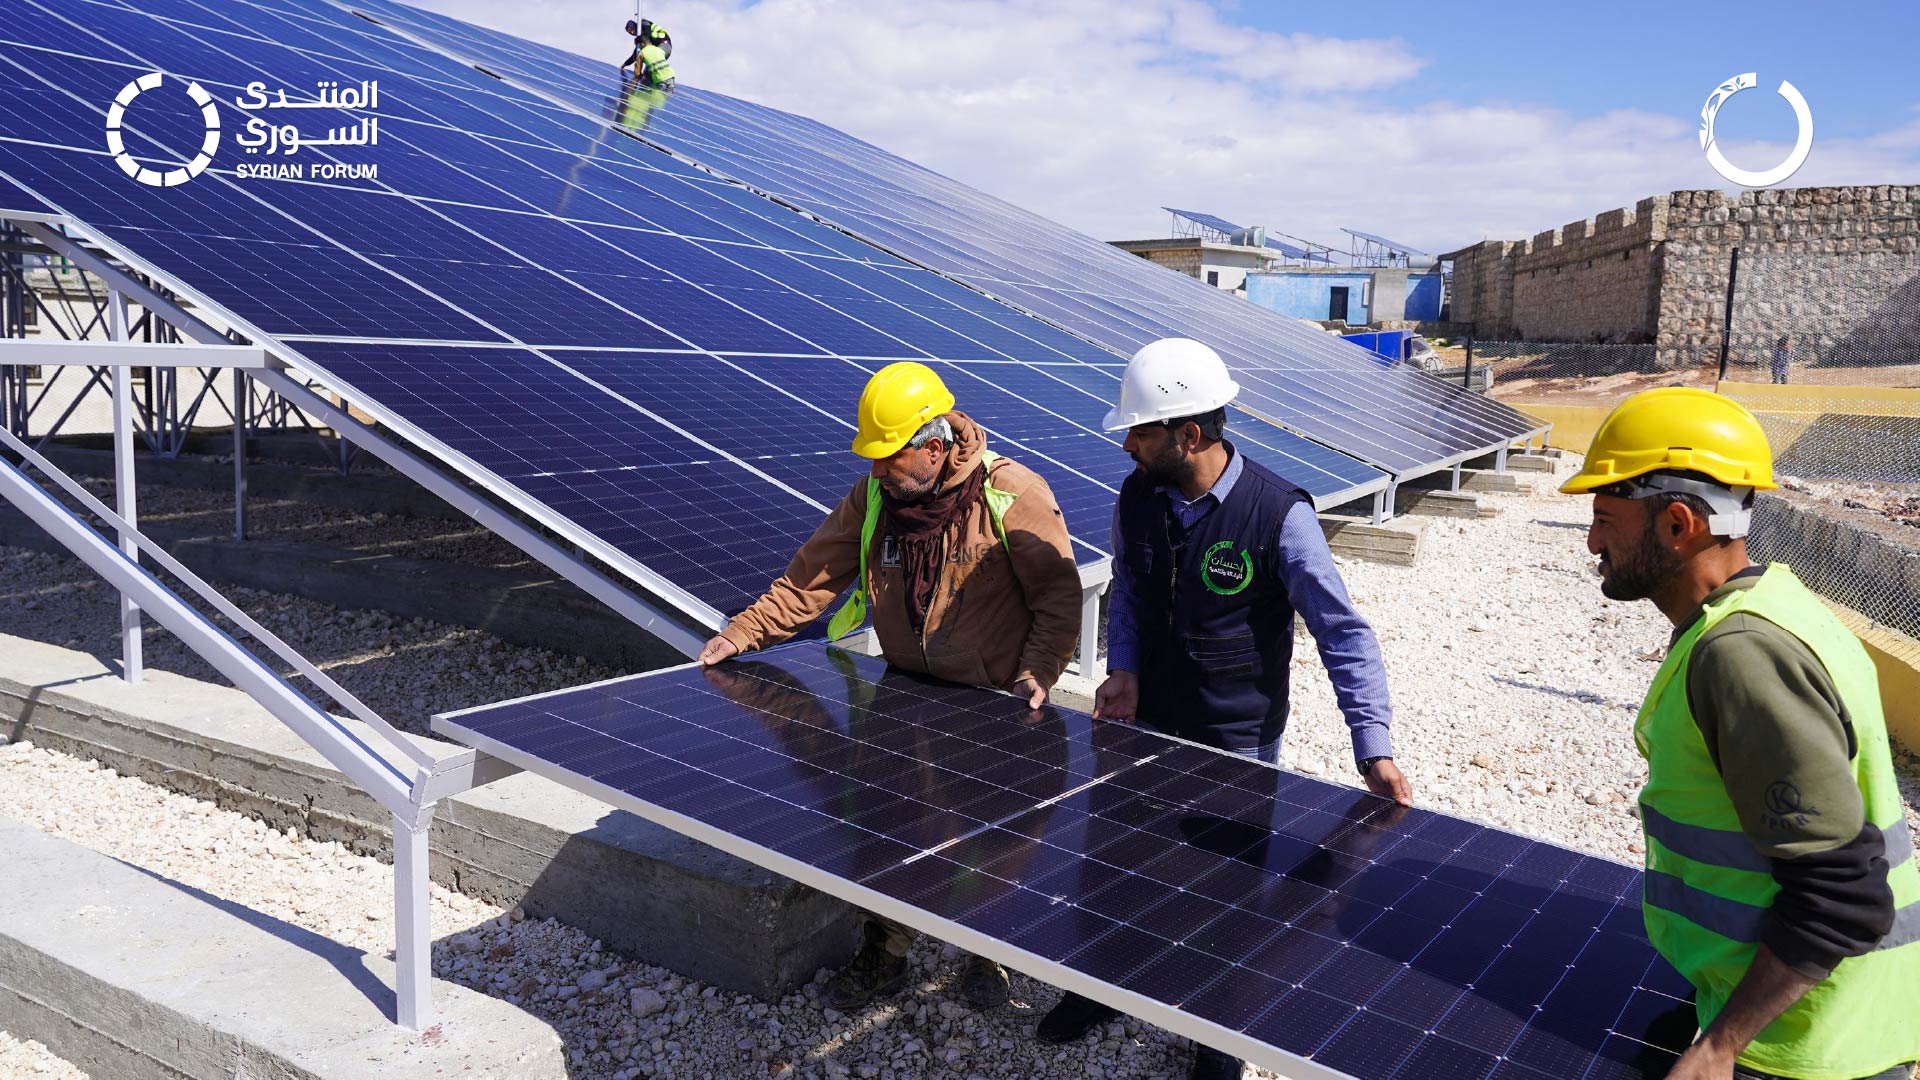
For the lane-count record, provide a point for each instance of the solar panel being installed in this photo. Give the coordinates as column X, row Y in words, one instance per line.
column 1312, row 382
column 1274, row 916
column 549, row 305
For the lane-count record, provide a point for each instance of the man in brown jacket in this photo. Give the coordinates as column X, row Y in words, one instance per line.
column 963, row 560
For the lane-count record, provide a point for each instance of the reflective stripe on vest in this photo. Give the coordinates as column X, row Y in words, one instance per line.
column 1708, row 892
column 854, row 612
column 653, row 61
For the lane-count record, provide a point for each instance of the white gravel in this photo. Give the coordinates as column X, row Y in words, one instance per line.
column 29, row 1060
column 1514, row 685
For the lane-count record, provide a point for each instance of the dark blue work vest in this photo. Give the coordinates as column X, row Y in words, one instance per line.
column 1215, row 622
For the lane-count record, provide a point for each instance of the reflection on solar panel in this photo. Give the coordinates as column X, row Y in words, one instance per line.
column 1386, row 243
column 1396, row 418
column 1271, row 915
column 658, row 364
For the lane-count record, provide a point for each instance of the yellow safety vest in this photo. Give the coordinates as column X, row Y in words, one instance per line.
column 654, row 66
column 854, row 612
column 1708, row 890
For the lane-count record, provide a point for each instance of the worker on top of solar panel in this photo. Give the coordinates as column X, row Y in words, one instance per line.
column 652, row 46
column 1780, row 872
column 962, row 559
column 1213, row 556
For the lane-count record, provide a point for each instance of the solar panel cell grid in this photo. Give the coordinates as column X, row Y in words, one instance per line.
column 1313, row 918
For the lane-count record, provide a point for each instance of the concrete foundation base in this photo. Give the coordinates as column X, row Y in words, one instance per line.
column 128, row 974
column 645, row 891
column 1398, row 543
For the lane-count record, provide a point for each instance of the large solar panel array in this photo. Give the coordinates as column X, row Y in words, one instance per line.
column 655, row 362
column 1398, row 419
column 1270, row 914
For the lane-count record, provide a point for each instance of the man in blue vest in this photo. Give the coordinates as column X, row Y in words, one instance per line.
column 1213, row 556
column 1780, row 872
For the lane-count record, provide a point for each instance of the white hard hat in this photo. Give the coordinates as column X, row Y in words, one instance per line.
column 1169, row 379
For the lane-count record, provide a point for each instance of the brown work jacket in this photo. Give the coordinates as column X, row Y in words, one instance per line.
column 999, row 612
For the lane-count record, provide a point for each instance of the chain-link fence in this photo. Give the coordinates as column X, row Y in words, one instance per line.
column 1825, row 351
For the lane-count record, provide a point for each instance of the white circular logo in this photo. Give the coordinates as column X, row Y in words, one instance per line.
column 117, row 144
column 1742, row 176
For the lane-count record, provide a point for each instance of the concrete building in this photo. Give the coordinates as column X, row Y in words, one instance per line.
column 1838, row 268
column 1224, row 266
column 1357, row 295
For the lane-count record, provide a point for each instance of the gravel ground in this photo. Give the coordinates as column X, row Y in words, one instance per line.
column 20, row 1060
column 1899, row 503
column 1515, row 686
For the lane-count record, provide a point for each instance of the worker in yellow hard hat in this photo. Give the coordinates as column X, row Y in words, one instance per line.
column 1780, row 873
column 962, row 559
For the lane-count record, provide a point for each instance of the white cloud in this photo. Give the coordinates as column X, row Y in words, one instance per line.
column 1097, row 114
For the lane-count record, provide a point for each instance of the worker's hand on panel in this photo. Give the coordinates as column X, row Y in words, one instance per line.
column 718, row 649
column 1118, row 697
column 1703, row 1061
column 1035, row 694
column 1386, row 780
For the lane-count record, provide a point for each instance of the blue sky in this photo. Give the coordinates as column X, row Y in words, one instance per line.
column 1437, row 124
column 1852, row 63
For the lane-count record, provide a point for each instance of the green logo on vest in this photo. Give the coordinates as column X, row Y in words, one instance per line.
column 1226, row 570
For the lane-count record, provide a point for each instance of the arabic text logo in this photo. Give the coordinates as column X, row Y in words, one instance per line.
column 1733, row 172
column 117, row 143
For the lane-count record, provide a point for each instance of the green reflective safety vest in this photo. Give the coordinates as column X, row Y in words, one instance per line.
column 1708, row 890
column 653, row 65
column 854, row 612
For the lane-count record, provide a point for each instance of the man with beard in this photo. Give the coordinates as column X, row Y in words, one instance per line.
column 963, row 558
column 1213, row 555
column 1780, row 874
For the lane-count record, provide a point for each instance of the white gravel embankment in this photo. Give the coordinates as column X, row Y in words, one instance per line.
column 1514, row 686
column 29, row 1060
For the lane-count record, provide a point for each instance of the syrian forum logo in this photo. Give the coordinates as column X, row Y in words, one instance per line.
column 259, row 136
column 1728, row 169
column 117, row 143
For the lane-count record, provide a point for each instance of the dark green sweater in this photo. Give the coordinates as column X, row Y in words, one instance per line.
column 1778, row 732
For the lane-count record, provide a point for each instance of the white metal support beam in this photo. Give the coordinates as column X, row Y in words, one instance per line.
column 242, row 405
column 412, row 920
column 344, row 751
column 131, row 668
column 122, row 353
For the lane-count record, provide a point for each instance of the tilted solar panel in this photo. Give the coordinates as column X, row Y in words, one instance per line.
column 1218, row 224
column 1384, row 242
column 541, row 300
column 1277, row 917
column 1072, row 280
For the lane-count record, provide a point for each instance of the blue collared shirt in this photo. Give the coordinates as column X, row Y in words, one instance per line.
column 1347, row 644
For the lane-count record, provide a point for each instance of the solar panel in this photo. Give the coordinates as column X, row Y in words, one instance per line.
column 520, row 283
column 1218, row 224
column 1384, row 242
column 1292, row 251
column 1069, row 279
column 1275, row 916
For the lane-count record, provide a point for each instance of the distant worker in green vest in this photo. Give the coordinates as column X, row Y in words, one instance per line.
column 1780, row 872
column 962, row 558
column 652, row 46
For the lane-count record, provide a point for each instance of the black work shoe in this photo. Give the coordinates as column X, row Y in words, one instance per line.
column 1211, row 1064
column 874, row 972
column 1072, row 1018
column 984, row 984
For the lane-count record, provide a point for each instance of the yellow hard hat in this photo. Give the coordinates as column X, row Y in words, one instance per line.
column 898, row 401
column 1677, row 427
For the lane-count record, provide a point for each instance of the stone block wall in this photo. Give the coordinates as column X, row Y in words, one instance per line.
column 1837, row 269
column 1592, row 280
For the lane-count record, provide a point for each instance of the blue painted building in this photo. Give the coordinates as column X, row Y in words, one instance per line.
column 1314, row 293
column 1359, row 295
